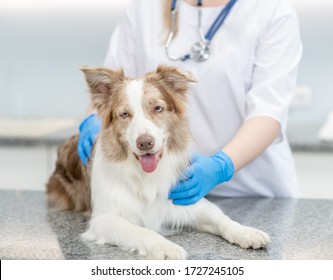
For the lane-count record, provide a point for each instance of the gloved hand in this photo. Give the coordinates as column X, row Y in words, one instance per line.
column 89, row 129
column 202, row 176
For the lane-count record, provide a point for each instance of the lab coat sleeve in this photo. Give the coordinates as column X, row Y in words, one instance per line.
column 275, row 70
column 121, row 50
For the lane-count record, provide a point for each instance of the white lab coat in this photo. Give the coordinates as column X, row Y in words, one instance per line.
column 251, row 72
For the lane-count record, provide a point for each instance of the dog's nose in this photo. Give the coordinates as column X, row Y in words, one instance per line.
column 145, row 143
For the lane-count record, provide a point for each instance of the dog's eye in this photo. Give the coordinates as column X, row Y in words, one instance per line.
column 125, row 115
column 158, row 109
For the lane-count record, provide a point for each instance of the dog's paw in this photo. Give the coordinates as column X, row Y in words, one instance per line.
column 166, row 250
column 89, row 235
column 247, row 237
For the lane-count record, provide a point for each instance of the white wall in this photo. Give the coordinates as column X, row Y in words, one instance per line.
column 316, row 67
column 42, row 46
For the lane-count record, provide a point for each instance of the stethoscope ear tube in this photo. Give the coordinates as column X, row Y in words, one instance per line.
column 172, row 32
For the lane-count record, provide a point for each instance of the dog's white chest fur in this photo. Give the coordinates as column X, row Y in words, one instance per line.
column 125, row 189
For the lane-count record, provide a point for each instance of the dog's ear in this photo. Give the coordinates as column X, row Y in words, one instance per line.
column 101, row 82
column 175, row 78
column 173, row 84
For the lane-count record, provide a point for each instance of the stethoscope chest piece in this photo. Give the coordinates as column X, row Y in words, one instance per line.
column 201, row 51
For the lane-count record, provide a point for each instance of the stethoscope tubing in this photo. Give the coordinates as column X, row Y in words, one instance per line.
column 203, row 46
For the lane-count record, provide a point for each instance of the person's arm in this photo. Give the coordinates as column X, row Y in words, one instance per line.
column 254, row 136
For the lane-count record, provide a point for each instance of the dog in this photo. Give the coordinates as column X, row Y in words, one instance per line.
column 142, row 150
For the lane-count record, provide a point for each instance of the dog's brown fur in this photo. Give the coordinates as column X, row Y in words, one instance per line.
column 68, row 187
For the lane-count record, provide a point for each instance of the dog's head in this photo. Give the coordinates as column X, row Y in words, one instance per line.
column 143, row 117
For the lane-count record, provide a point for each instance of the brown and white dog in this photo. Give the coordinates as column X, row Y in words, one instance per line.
column 142, row 150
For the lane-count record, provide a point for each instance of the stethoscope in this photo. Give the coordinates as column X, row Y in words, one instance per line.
column 200, row 51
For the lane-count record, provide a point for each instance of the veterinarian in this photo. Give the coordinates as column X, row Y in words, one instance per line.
column 244, row 55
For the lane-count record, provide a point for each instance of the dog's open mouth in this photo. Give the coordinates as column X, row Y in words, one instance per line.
column 149, row 161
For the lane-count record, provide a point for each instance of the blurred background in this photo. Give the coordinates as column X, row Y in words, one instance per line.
column 43, row 95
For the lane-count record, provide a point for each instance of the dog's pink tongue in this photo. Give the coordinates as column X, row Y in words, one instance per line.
column 149, row 162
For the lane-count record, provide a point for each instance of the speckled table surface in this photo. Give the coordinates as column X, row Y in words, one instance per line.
column 299, row 229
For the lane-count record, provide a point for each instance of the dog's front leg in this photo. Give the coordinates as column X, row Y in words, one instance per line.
column 210, row 218
column 120, row 232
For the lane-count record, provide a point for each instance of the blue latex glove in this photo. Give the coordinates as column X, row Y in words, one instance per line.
column 202, row 176
column 89, row 129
